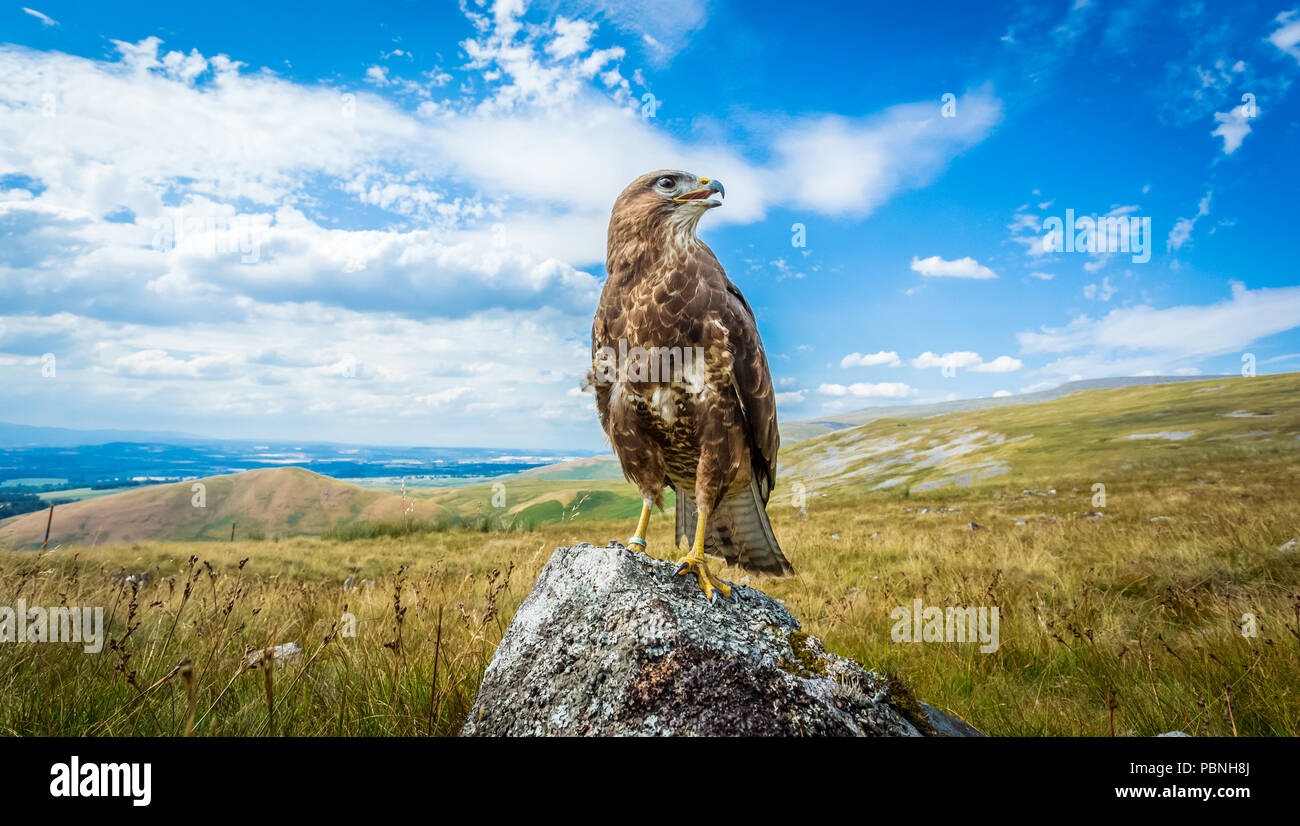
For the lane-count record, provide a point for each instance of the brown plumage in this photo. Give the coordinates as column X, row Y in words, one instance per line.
column 703, row 423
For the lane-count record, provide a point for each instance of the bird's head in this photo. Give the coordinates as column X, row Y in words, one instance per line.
column 668, row 198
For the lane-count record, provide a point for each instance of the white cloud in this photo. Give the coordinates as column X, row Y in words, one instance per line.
column 951, row 360
column 664, row 27
column 1287, row 35
column 1194, row 329
column 388, row 233
column 886, row 358
column 571, row 37
column 888, row 389
column 1129, row 340
column 849, row 166
column 1103, row 291
column 1234, row 126
column 1182, row 231
column 936, row 267
column 159, row 363
column 45, row 19
column 380, row 373
column 964, row 359
column 1001, row 394
column 1042, row 276
column 791, row 397
column 444, row 397
column 1026, row 230
column 1001, row 364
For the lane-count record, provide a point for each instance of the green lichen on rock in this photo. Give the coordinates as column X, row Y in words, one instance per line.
column 807, row 662
column 900, row 697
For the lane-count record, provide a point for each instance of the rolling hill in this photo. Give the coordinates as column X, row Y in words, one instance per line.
column 1107, row 434
column 792, row 432
column 289, row 501
column 274, row 501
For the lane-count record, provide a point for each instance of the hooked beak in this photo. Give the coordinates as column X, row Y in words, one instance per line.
column 708, row 186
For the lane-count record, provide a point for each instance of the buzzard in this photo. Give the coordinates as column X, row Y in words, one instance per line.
column 681, row 381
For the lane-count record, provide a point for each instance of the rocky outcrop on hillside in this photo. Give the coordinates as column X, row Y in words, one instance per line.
column 611, row 642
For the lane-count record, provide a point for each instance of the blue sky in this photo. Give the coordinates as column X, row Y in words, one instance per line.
column 386, row 224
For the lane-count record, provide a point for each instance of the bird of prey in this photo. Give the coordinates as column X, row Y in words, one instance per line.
column 681, row 381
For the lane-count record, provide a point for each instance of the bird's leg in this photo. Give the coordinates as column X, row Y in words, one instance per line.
column 638, row 538
column 694, row 563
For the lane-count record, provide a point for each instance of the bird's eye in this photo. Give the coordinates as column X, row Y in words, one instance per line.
column 666, row 182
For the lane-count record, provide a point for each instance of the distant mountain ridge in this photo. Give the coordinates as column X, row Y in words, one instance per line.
column 24, row 435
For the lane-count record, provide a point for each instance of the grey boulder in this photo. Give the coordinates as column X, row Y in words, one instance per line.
column 610, row 642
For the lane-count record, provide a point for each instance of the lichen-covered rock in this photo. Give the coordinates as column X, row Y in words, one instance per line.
column 610, row 642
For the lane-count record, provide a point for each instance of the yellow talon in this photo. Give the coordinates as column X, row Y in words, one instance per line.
column 636, row 541
column 694, row 563
column 708, row 583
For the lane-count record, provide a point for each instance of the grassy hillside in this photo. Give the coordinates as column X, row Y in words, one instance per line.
column 279, row 501
column 595, row 467
column 1100, row 435
column 1124, row 616
column 1127, row 622
column 796, row 431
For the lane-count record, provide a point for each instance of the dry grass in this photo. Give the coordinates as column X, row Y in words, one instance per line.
column 425, row 631
column 1145, row 616
column 1118, row 621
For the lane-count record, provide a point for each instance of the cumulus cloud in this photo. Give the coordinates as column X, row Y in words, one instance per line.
column 1234, row 126
column 421, row 240
column 571, row 37
column 888, row 359
column 963, row 358
column 936, row 267
column 1001, row 364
